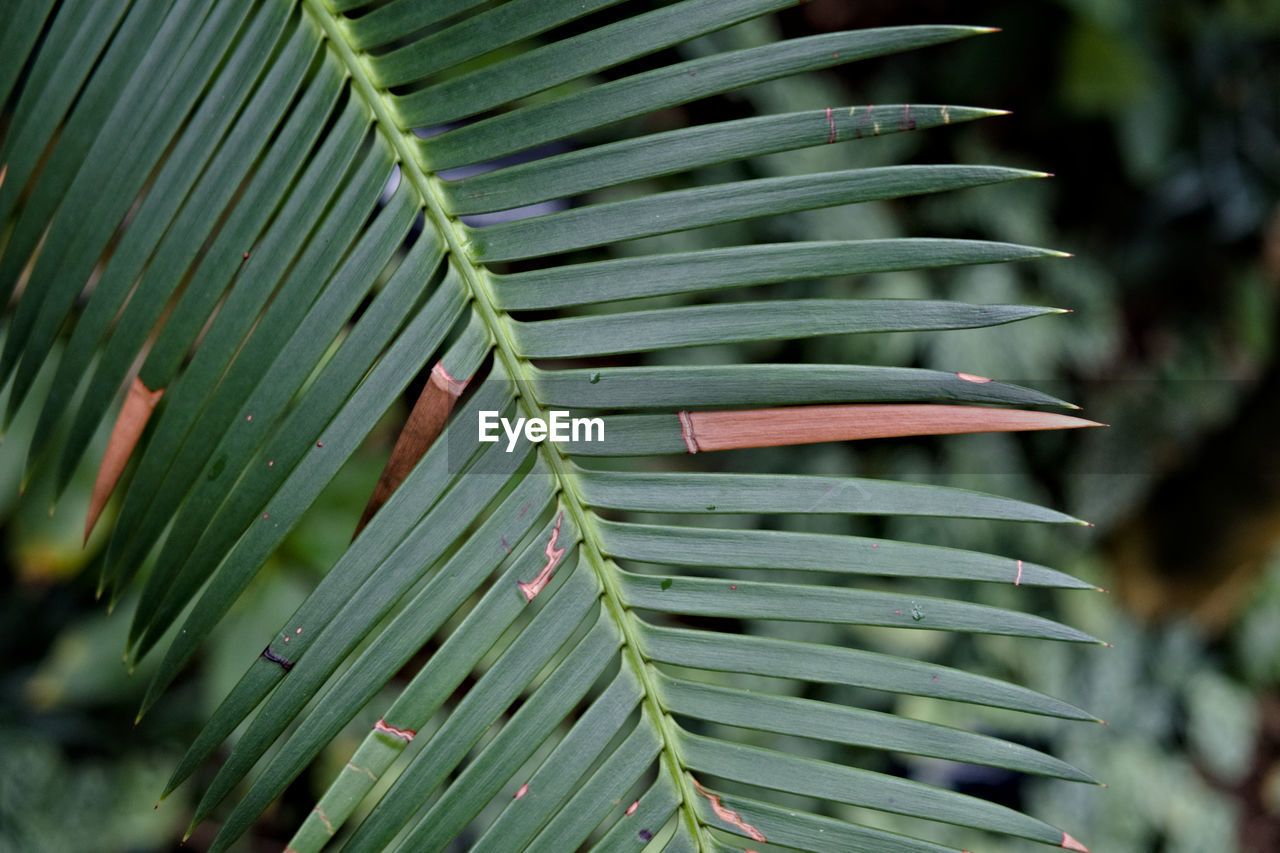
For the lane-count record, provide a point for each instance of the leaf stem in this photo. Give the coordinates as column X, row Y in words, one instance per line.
column 477, row 281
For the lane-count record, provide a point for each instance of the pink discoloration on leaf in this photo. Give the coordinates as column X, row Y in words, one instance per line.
column 365, row 770
column 1017, row 581
column 831, row 124
column 728, row 815
column 631, row 809
column 505, row 545
column 524, row 789
column 1069, row 843
column 441, row 377
column 133, row 417
column 908, row 120
column 687, row 433
column 554, row 556
column 976, row 380
column 406, row 735
column 324, row 818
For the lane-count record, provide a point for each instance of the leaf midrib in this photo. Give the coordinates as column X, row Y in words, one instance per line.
column 475, row 277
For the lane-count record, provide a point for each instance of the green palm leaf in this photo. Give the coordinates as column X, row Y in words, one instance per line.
column 224, row 206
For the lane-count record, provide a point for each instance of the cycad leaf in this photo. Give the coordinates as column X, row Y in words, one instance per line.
column 224, row 206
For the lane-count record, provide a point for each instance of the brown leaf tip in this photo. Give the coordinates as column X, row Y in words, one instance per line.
column 1069, row 843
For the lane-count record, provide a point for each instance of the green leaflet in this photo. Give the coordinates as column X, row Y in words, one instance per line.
column 689, row 272
column 722, row 493
column 658, row 154
column 662, row 213
column 701, row 325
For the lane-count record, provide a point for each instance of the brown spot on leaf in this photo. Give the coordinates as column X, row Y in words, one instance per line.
column 138, row 406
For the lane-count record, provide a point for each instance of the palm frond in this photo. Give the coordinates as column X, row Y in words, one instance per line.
column 236, row 209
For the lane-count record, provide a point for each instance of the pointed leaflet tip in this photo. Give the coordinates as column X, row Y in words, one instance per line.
column 1069, row 843
column 133, row 417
